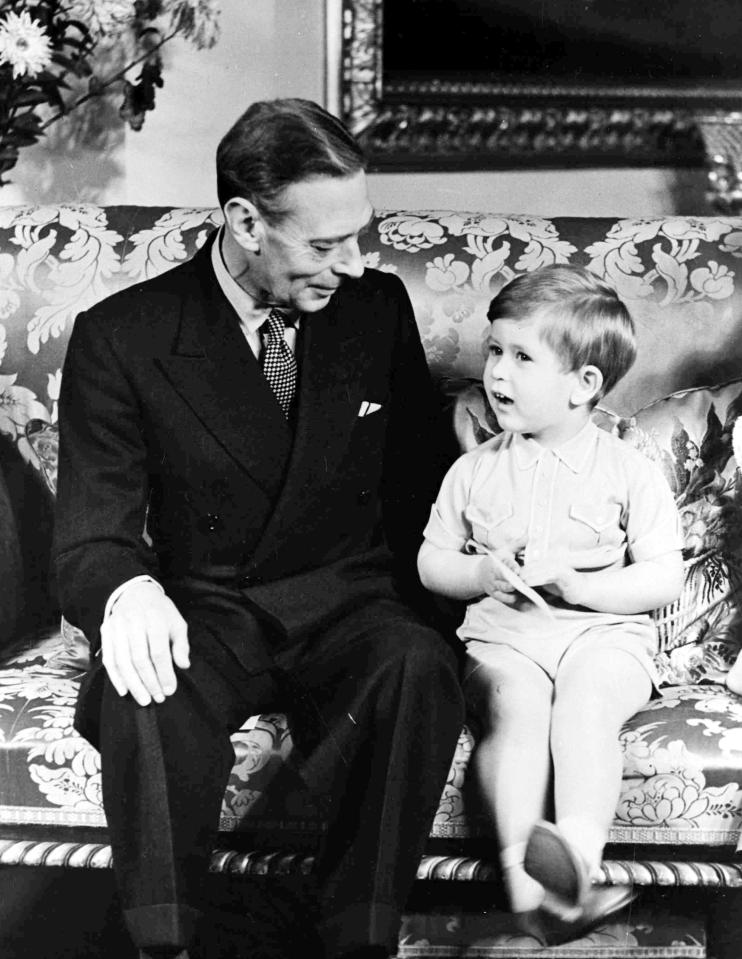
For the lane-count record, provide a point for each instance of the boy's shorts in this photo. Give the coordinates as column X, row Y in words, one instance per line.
column 552, row 652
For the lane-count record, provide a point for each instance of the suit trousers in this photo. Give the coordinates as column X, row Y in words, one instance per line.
column 375, row 709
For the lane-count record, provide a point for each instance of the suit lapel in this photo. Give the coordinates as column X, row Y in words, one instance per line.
column 216, row 373
column 333, row 348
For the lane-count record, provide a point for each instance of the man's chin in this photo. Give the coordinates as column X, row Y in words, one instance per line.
column 316, row 298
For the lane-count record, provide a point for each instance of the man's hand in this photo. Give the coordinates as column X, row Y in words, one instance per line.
column 141, row 639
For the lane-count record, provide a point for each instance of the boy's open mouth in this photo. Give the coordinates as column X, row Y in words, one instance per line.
column 501, row 398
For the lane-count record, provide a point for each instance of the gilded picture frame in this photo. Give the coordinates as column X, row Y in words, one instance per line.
column 412, row 114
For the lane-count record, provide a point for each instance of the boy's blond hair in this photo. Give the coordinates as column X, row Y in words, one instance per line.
column 587, row 322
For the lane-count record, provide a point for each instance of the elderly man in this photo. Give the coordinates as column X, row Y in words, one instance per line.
column 247, row 459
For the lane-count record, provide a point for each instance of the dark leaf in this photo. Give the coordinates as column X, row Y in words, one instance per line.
column 481, row 433
column 27, row 122
column 713, row 448
column 30, row 98
column 20, row 138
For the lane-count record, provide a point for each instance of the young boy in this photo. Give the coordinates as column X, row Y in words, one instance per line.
column 591, row 524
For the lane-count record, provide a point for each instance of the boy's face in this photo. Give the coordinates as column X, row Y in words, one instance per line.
column 527, row 385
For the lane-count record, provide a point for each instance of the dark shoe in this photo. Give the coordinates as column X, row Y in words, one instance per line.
column 550, row 860
column 552, row 928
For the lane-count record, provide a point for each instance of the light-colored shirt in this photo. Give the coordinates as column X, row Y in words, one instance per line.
column 595, row 497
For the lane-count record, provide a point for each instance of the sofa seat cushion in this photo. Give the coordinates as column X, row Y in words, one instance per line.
column 682, row 780
column 682, row 773
column 51, row 775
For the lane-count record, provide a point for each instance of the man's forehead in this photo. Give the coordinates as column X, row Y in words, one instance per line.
column 328, row 207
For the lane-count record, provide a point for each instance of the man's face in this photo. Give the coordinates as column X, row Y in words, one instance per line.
column 305, row 257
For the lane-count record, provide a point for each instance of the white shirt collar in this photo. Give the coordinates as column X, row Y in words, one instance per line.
column 251, row 316
column 573, row 453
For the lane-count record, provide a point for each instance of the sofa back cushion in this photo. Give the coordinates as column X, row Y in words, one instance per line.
column 11, row 568
column 680, row 277
column 689, row 435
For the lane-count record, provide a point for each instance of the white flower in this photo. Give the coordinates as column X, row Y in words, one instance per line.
column 24, row 44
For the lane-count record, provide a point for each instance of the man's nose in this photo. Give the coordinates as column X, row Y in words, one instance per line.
column 350, row 261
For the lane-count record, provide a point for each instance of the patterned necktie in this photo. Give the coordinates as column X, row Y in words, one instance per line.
column 278, row 362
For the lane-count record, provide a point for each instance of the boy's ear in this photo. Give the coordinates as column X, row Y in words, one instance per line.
column 588, row 386
column 243, row 220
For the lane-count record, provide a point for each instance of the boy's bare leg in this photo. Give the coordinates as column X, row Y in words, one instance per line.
column 596, row 692
column 511, row 762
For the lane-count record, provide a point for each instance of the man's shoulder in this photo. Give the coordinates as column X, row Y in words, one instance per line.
column 150, row 302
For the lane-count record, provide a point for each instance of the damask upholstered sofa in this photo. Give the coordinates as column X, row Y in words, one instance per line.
column 677, row 824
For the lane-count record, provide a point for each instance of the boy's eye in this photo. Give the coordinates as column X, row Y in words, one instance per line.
column 523, row 357
column 495, row 349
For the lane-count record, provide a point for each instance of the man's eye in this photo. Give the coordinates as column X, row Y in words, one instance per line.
column 323, row 247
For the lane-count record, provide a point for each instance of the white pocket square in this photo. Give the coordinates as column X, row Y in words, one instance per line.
column 367, row 408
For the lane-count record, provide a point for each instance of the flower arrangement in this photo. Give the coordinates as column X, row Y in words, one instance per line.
column 56, row 55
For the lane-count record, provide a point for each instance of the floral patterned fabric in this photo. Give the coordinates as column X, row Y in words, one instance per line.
column 681, row 279
column 650, row 932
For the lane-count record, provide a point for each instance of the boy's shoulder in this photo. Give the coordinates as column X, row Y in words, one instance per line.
column 621, row 455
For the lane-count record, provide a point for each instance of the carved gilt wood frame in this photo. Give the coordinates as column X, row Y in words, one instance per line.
column 432, row 124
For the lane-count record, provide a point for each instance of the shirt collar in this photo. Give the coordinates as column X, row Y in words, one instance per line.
column 251, row 316
column 574, row 453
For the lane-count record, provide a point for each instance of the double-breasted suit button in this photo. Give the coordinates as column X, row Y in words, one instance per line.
column 364, row 496
column 248, row 579
column 210, row 523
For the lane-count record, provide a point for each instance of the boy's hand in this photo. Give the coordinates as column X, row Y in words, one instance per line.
column 490, row 581
column 557, row 576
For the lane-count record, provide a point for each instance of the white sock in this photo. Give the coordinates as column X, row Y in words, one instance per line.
column 523, row 892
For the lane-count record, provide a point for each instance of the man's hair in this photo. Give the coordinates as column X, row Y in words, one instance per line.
column 585, row 321
column 279, row 142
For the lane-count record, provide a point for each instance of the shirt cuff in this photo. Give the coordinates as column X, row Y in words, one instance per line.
column 116, row 594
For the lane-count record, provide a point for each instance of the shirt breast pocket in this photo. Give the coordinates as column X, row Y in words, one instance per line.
column 595, row 524
column 493, row 528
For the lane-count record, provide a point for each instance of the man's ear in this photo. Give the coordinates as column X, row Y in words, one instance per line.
column 243, row 220
column 588, row 386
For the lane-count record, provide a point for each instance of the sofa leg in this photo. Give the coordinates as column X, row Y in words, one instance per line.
column 724, row 924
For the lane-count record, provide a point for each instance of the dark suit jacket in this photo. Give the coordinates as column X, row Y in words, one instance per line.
column 164, row 413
